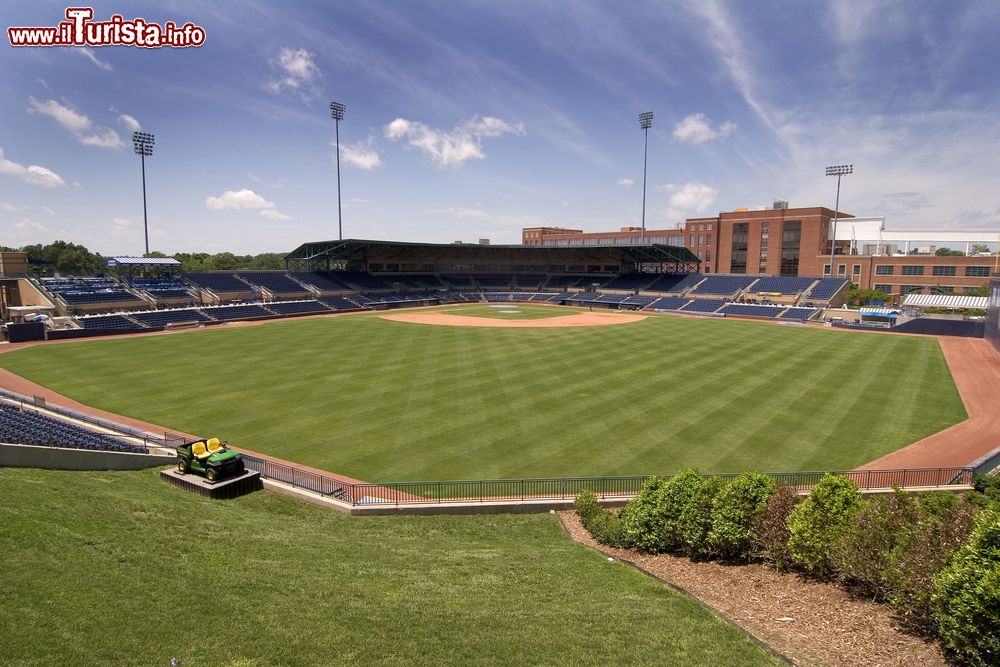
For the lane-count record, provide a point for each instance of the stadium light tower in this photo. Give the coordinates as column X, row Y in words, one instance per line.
column 143, row 144
column 838, row 171
column 337, row 110
column 645, row 122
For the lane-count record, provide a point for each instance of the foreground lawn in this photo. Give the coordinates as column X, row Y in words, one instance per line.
column 121, row 569
column 385, row 401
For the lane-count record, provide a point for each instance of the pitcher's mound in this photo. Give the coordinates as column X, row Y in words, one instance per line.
column 578, row 320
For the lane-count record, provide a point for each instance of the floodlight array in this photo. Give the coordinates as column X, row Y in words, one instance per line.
column 646, row 120
column 840, row 170
column 143, row 143
column 337, row 110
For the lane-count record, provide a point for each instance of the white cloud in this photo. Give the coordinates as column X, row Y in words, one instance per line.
column 626, row 182
column 462, row 143
column 27, row 223
column 104, row 137
column 688, row 198
column 48, row 210
column 697, row 129
column 236, row 199
column 361, row 155
column 297, row 71
column 69, row 118
column 246, row 199
column 10, row 208
column 92, row 57
column 33, row 174
column 130, row 123
column 76, row 123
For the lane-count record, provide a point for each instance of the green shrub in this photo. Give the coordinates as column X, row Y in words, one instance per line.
column 695, row 521
column 819, row 521
column 989, row 486
column 652, row 520
column 862, row 555
column 602, row 524
column 733, row 513
column 937, row 503
column 770, row 527
column 922, row 553
column 966, row 599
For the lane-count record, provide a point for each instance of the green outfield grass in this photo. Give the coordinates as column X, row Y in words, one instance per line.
column 122, row 569
column 385, row 401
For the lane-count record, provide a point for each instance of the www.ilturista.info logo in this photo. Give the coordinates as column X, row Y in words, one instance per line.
column 80, row 30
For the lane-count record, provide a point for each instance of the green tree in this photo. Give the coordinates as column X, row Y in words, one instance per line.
column 862, row 297
column 977, row 248
column 948, row 252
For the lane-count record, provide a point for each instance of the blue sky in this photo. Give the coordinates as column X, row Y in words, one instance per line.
column 469, row 120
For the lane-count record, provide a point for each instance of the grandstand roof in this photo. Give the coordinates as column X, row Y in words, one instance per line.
column 140, row 261
column 357, row 250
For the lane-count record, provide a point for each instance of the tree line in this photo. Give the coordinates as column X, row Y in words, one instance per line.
column 71, row 259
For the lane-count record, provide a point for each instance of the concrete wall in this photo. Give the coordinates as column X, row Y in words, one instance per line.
column 58, row 458
column 993, row 313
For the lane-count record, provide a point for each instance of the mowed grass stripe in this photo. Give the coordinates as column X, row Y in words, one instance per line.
column 383, row 400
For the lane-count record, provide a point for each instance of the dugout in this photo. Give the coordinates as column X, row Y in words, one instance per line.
column 387, row 258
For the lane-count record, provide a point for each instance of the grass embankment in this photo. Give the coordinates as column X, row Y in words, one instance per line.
column 387, row 401
column 120, row 568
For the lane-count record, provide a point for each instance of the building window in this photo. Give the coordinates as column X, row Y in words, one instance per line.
column 708, row 227
column 912, row 270
column 791, row 239
column 977, row 271
column 882, row 287
column 826, row 269
column 884, row 269
column 841, row 269
column 708, row 254
column 692, row 240
column 856, row 270
column 708, row 238
column 741, row 237
column 943, row 270
column 911, row 289
column 701, row 228
column 701, row 239
column 943, row 289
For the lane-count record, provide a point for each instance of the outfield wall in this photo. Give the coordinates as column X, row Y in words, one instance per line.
column 993, row 313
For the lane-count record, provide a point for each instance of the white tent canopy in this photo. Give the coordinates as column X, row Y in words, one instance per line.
column 955, row 301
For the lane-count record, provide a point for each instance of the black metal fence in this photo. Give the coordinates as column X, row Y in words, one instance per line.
column 562, row 488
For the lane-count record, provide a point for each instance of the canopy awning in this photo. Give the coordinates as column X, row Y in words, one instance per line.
column 955, row 301
column 140, row 261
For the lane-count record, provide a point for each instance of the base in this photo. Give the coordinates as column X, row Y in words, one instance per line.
column 232, row 487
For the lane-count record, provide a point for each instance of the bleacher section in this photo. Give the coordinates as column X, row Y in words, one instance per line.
column 88, row 291
column 340, row 303
column 495, row 282
column 799, row 313
column 163, row 289
column 629, row 281
column 826, row 289
column 161, row 318
column 459, row 282
column 562, row 282
column 639, row 300
column 360, row 280
column 704, row 305
column 750, row 310
column 674, row 283
column 528, row 282
column 297, row 307
column 240, row 312
column 275, row 282
column 33, row 428
column 543, row 296
column 669, row 303
column 119, row 322
column 219, row 282
column 782, row 285
column 723, row 285
column 322, row 281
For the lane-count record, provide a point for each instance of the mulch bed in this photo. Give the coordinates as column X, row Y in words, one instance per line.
column 806, row 621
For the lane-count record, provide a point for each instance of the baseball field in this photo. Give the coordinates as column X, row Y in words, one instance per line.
column 386, row 400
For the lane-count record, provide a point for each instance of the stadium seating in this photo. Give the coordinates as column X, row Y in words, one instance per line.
column 340, row 303
column 584, row 297
column 239, row 312
column 543, row 296
column 750, row 310
column 459, row 282
column 33, row 428
column 610, row 298
column 669, row 303
column 298, row 307
column 324, row 281
column 161, row 318
column 672, row 283
column 109, row 322
column 826, row 289
column 703, row 305
column 275, row 282
column 639, row 300
column 219, row 282
column 629, row 281
column 562, row 281
column 361, row 280
column 520, row 296
column 782, row 284
column 528, row 282
column 494, row 297
column 501, row 281
column 723, row 285
column 797, row 313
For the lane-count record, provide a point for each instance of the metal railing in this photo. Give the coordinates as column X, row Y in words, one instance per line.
column 39, row 403
column 561, row 488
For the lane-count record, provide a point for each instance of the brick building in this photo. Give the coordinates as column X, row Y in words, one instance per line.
column 784, row 241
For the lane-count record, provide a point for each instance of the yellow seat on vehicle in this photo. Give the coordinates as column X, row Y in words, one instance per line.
column 214, row 445
column 199, row 451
